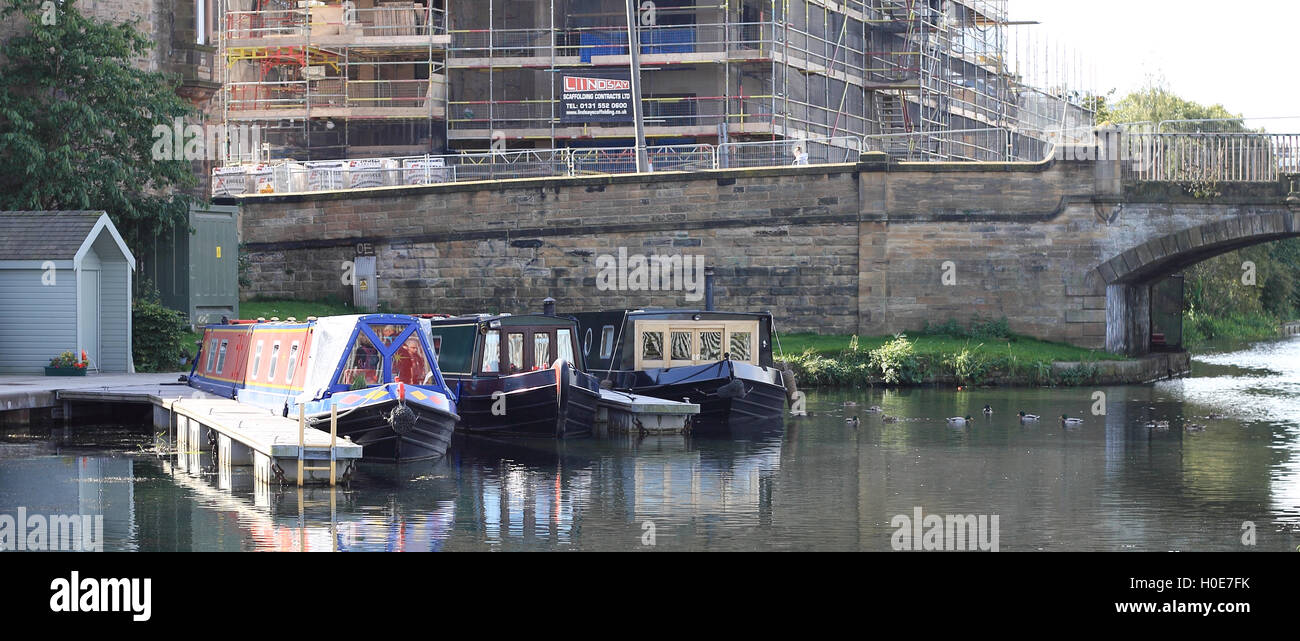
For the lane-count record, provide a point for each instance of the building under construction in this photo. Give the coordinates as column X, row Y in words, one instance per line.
column 921, row 79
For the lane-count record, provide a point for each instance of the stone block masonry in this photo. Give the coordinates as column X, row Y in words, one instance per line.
column 870, row 248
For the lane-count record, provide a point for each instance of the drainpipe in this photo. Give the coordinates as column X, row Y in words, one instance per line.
column 708, row 289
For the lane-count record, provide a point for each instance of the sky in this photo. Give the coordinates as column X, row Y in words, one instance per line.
column 1234, row 53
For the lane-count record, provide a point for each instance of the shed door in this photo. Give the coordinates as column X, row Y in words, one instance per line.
column 88, row 309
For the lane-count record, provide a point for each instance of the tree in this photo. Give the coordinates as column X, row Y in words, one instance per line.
column 1156, row 103
column 76, row 122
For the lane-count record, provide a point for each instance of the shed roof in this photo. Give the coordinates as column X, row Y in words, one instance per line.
column 53, row 235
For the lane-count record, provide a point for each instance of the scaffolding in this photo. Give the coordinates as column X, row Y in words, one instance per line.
column 922, row 79
column 917, row 79
column 335, row 79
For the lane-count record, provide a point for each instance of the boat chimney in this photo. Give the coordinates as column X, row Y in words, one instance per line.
column 708, row 289
column 548, row 306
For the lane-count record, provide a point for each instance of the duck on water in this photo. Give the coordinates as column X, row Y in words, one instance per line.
column 377, row 369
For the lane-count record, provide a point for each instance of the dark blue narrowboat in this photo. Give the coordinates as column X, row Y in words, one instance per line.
column 518, row 375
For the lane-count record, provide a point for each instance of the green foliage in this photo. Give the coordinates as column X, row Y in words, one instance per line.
column 157, row 333
column 969, row 366
column 1081, row 374
column 245, row 262
column 1157, row 103
column 896, row 362
column 76, row 122
column 978, row 329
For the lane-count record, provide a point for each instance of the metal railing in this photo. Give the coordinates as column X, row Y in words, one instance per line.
column 959, row 145
column 335, row 20
column 811, row 151
column 334, row 92
column 1209, row 157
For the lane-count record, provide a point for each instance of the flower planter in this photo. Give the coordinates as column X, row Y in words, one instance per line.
column 65, row 371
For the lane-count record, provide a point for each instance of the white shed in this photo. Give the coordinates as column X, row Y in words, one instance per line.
column 65, row 285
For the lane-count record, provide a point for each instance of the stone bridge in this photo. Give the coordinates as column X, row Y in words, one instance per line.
column 1066, row 250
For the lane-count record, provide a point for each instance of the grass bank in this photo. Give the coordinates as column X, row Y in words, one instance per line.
column 947, row 354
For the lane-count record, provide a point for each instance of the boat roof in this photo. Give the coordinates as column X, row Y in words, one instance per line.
column 666, row 311
column 506, row 319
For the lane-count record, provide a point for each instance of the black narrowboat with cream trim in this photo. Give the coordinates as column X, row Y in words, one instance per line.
column 720, row 360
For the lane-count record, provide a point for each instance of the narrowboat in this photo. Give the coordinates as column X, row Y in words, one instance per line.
column 516, row 375
column 378, row 370
column 720, row 360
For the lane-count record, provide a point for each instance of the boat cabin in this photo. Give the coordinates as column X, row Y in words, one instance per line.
column 274, row 363
column 501, row 345
column 625, row 340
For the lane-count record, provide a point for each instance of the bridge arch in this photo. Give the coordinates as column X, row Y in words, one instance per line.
column 1128, row 277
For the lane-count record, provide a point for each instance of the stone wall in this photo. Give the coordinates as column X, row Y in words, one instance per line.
column 872, row 248
column 784, row 241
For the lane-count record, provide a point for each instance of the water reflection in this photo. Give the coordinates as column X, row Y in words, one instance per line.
column 815, row 483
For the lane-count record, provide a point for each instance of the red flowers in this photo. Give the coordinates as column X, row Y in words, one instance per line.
column 68, row 360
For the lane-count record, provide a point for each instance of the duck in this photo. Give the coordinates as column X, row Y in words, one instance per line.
column 1067, row 421
column 889, row 419
column 988, row 410
column 1028, row 418
column 853, row 421
column 960, row 421
column 1194, row 427
column 1216, row 417
column 850, row 404
column 875, row 409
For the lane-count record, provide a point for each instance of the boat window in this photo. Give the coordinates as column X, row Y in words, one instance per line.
column 275, row 360
column 257, row 360
column 492, row 351
column 410, row 365
column 212, row 355
column 387, row 333
column 293, row 363
column 515, row 345
column 221, row 357
column 740, row 346
column 681, row 346
column 606, row 342
column 541, row 350
column 711, row 346
column 564, row 345
column 364, row 366
column 652, row 346
column 586, row 342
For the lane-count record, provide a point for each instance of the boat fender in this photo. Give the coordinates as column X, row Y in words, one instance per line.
column 733, row 389
column 402, row 419
column 787, row 378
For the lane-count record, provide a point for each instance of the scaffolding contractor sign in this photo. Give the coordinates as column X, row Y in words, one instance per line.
column 596, row 98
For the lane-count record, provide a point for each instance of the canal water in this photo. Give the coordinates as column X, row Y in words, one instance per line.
column 811, row 483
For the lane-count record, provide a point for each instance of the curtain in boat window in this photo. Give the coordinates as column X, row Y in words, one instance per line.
column 515, row 349
column 681, row 348
column 740, row 346
column 541, row 350
column 711, row 346
column 564, row 345
column 492, row 351
column 652, row 346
